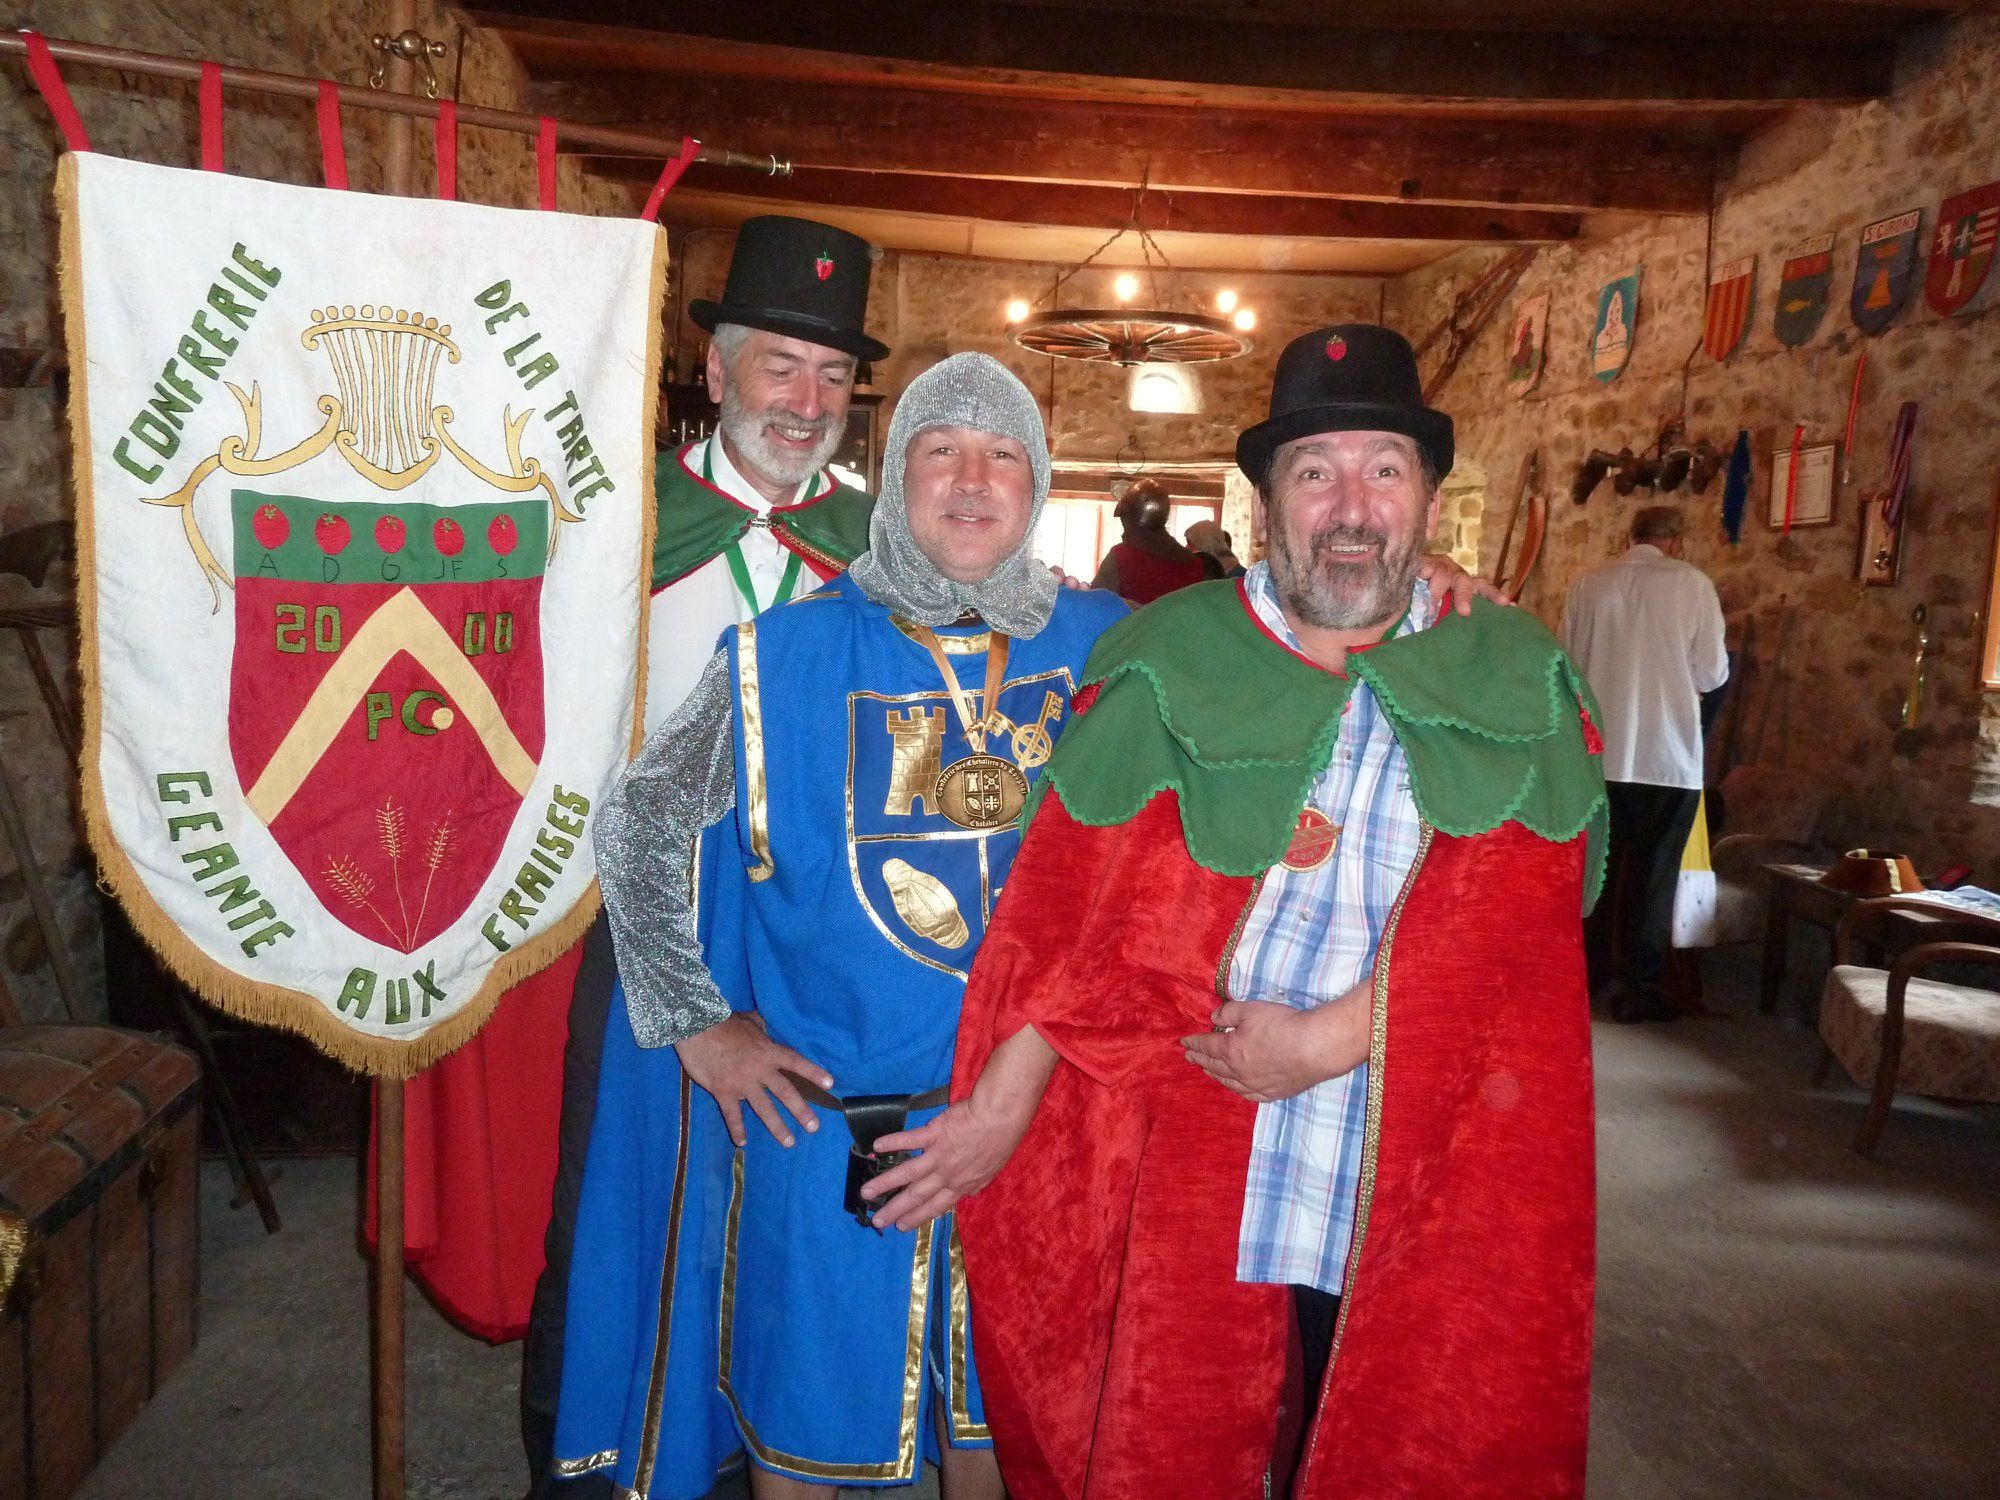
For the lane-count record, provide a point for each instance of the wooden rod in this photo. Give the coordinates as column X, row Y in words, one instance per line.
column 388, row 1341
column 296, row 86
column 391, row 1403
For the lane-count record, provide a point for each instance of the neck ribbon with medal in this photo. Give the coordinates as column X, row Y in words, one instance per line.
column 984, row 791
column 739, row 570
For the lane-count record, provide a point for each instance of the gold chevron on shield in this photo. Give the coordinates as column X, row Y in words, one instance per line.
column 402, row 624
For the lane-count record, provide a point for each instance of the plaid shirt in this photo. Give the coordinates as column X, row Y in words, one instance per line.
column 1310, row 935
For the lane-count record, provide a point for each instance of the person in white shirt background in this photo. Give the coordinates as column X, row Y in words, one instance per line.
column 1646, row 630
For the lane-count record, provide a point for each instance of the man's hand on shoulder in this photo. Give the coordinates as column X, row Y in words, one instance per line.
column 1266, row 1052
column 1454, row 588
column 739, row 1064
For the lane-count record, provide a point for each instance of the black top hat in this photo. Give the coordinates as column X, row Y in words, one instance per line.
column 1352, row 377
column 805, row 280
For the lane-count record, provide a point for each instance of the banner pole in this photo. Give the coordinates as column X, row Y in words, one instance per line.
column 390, row 1404
column 401, row 101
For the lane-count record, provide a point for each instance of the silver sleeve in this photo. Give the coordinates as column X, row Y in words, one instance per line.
column 683, row 781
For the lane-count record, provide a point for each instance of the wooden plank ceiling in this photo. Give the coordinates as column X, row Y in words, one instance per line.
column 1268, row 136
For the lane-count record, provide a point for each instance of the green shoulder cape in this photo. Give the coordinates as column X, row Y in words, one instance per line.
column 697, row 521
column 1192, row 694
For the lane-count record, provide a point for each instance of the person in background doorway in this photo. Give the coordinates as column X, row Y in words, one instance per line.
column 1148, row 563
column 1646, row 629
column 1209, row 542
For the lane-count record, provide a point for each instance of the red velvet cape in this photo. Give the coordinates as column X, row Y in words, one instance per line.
column 1119, row 1357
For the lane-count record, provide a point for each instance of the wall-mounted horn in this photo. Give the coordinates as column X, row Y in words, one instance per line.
column 1590, row 474
column 1676, row 458
column 1708, row 462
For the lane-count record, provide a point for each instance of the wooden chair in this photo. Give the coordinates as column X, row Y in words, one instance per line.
column 1895, row 1029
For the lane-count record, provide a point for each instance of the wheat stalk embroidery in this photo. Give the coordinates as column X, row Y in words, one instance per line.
column 389, row 828
column 437, row 849
column 356, row 887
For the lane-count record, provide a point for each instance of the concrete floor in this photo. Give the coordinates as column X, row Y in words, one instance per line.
column 1776, row 1317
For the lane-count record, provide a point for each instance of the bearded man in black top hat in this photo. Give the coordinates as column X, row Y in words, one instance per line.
column 1279, row 1034
column 748, row 518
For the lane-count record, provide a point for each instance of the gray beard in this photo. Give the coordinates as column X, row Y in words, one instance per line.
column 745, row 431
column 1352, row 599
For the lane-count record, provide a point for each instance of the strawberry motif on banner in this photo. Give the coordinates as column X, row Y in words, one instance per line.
column 1805, row 285
column 1731, row 290
column 1962, row 248
column 1885, row 269
column 823, row 267
column 363, row 513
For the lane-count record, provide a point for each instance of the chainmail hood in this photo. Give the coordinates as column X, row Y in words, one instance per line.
column 966, row 390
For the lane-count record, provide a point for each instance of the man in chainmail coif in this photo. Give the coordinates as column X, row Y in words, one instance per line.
column 798, row 870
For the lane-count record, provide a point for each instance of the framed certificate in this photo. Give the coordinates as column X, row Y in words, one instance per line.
column 1812, row 504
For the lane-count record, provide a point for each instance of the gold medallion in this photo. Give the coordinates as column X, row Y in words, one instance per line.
column 981, row 792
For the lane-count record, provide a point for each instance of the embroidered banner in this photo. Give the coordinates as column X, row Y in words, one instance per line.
column 364, row 515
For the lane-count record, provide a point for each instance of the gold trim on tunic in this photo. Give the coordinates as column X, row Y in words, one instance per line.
column 756, row 792
column 962, row 1426
column 663, row 1327
column 951, row 645
column 904, row 1465
column 1378, row 1049
column 570, row 1468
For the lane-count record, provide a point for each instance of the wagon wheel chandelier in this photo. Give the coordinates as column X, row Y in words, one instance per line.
column 1169, row 331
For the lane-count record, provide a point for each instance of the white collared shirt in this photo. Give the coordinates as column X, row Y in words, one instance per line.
column 688, row 616
column 1646, row 631
column 761, row 551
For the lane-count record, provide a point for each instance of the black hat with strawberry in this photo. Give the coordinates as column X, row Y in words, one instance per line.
column 805, row 280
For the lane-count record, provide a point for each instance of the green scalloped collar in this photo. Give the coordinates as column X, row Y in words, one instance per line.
column 697, row 521
column 1495, row 722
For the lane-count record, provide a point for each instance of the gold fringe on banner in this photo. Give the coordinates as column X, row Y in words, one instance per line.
column 270, row 1004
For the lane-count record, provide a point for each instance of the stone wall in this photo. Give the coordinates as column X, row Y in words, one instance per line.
column 155, row 120
column 1821, row 737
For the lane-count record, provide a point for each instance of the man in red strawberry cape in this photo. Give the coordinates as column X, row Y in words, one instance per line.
column 1280, row 1038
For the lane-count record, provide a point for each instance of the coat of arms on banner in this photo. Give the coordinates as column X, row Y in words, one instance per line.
column 1962, row 247
column 364, row 496
column 1731, row 290
column 1885, row 269
column 1527, row 344
column 1805, row 285
column 1617, row 320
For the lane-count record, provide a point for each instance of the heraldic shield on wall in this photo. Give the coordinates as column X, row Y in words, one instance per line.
column 364, row 510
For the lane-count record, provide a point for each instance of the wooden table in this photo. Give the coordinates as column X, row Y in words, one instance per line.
column 1797, row 893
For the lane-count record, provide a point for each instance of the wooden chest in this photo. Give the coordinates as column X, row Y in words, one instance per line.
column 98, row 1228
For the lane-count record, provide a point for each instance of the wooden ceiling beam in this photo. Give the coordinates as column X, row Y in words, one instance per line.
column 1389, row 160
column 1011, row 202
column 1689, row 60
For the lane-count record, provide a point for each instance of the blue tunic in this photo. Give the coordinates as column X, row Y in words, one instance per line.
column 720, row 1300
